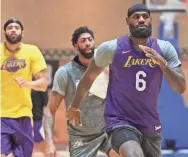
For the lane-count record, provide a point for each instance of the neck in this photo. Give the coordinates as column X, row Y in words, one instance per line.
column 139, row 41
column 12, row 47
column 84, row 61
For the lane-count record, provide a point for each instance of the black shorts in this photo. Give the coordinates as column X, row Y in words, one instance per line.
column 150, row 143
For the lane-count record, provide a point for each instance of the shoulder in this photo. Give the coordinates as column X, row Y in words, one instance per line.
column 162, row 42
column 164, row 45
column 105, row 53
column 108, row 45
column 63, row 70
column 30, row 47
column 106, row 48
column 2, row 46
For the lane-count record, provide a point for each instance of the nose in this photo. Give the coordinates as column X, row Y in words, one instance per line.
column 13, row 29
column 141, row 19
column 87, row 42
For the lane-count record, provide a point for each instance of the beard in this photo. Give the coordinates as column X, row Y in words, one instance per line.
column 14, row 40
column 137, row 32
column 86, row 55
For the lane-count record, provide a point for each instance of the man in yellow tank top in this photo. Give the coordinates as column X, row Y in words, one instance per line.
column 19, row 62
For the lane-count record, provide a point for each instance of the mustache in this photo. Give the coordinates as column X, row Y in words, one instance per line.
column 88, row 47
column 138, row 32
column 142, row 25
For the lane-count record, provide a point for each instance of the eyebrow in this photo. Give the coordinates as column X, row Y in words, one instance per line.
column 13, row 26
column 141, row 13
column 85, row 38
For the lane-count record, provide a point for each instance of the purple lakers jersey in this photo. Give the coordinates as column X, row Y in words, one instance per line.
column 134, row 86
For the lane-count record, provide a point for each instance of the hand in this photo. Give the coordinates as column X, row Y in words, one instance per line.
column 50, row 150
column 112, row 153
column 73, row 115
column 156, row 58
column 21, row 82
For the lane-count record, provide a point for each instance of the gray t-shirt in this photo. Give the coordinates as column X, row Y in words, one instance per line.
column 106, row 51
column 65, row 81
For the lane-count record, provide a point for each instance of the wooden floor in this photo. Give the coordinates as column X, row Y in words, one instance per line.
column 62, row 154
column 62, row 151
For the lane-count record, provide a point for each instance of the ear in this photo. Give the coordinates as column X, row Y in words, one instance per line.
column 75, row 46
column 22, row 34
column 127, row 21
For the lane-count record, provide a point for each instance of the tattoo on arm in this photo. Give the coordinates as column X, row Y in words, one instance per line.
column 49, row 115
column 48, row 122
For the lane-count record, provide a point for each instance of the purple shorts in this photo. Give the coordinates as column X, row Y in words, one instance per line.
column 36, row 129
column 16, row 136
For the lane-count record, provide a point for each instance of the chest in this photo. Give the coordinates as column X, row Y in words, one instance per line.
column 17, row 64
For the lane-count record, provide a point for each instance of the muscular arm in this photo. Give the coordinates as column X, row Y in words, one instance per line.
column 103, row 57
column 49, row 115
column 173, row 72
column 38, row 70
column 40, row 84
column 85, row 83
column 175, row 78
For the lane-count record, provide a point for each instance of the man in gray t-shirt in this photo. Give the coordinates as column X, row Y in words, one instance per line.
column 85, row 140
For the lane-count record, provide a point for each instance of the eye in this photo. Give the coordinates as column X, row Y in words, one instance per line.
column 145, row 16
column 17, row 27
column 90, row 39
column 82, row 40
column 9, row 27
column 136, row 17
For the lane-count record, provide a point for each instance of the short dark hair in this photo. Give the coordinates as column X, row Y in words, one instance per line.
column 13, row 21
column 80, row 31
column 137, row 8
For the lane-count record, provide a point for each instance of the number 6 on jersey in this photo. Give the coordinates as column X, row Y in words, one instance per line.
column 140, row 83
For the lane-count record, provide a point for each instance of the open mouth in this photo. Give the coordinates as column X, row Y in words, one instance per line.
column 13, row 35
column 142, row 26
column 88, row 50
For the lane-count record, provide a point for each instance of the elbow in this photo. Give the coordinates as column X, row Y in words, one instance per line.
column 44, row 86
column 181, row 91
column 182, row 88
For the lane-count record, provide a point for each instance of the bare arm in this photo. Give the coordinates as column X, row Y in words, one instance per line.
column 170, row 65
column 85, row 83
column 175, row 78
column 49, row 115
column 40, row 83
column 38, row 69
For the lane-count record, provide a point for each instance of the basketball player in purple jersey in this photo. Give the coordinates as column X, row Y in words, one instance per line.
column 137, row 63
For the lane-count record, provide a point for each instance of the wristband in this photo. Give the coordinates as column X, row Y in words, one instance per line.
column 74, row 108
column 165, row 65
